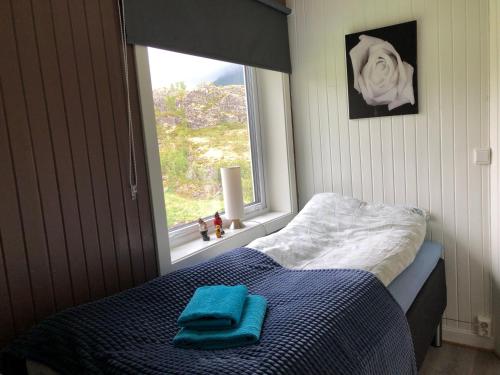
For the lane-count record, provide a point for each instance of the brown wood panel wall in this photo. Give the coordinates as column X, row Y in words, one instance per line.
column 69, row 231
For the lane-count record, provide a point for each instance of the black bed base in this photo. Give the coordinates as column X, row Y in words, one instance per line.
column 424, row 315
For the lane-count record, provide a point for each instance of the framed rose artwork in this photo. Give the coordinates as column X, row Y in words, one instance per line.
column 382, row 71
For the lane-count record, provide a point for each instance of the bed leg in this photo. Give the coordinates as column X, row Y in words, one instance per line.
column 437, row 341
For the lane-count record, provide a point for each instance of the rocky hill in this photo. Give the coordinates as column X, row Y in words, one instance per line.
column 205, row 106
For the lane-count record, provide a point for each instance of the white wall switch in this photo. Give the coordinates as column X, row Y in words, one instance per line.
column 482, row 156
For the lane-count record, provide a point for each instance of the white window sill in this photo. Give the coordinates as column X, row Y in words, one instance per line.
column 197, row 251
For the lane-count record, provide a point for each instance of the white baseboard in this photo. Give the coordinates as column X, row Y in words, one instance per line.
column 467, row 337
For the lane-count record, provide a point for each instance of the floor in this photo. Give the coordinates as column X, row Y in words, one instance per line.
column 459, row 360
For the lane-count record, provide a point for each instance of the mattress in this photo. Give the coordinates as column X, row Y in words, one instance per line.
column 405, row 287
column 333, row 231
column 320, row 322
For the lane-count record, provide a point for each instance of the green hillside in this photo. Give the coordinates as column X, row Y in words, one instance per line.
column 195, row 142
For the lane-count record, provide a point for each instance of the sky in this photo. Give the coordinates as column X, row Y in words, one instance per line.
column 170, row 67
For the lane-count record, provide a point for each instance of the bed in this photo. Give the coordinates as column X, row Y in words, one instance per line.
column 373, row 316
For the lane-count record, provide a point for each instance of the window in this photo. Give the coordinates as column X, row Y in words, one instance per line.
column 268, row 150
column 205, row 119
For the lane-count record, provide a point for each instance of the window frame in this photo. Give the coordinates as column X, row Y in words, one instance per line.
column 275, row 116
column 186, row 232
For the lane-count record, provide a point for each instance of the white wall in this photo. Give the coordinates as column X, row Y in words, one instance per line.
column 495, row 144
column 424, row 159
column 273, row 94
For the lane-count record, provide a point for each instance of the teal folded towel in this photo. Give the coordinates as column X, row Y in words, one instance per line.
column 214, row 307
column 247, row 333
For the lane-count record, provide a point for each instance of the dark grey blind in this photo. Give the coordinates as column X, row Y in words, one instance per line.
column 247, row 32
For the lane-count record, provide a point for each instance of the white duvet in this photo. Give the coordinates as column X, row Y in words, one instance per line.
column 333, row 231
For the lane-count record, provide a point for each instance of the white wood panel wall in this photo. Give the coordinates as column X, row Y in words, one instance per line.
column 495, row 144
column 424, row 159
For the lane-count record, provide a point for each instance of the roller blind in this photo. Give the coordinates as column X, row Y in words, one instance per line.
column 247, row 32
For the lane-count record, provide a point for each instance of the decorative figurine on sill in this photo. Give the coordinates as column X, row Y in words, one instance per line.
column 203, row 229
column 218, row 221
column 218, row 232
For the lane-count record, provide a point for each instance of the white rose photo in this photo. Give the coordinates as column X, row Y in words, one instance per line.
column 382, row 71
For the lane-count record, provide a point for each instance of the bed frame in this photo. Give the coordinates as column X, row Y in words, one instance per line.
column 425, row 314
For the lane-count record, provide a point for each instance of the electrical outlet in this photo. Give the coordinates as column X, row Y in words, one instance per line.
column 483, row 325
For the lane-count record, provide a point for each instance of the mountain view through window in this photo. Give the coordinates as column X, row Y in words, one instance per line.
column 202, row 125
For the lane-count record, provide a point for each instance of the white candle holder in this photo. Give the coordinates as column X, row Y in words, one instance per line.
column 233, row 196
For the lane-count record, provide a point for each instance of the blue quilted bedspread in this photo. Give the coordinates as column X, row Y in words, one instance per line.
column 318, row 322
